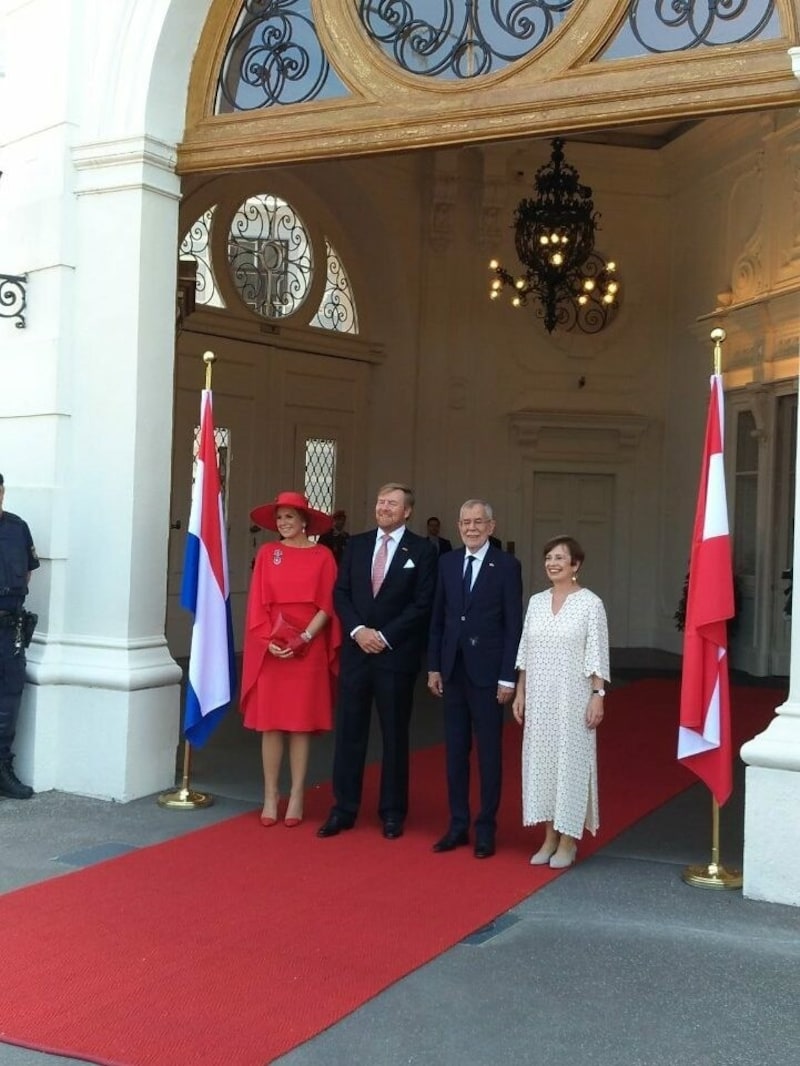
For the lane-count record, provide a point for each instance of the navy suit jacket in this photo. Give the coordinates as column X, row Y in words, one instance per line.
column 488, row 631
column 401, row 610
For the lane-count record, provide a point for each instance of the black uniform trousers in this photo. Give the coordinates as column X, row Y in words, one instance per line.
column 472, row 709
column 12, row 682
column 360, row 683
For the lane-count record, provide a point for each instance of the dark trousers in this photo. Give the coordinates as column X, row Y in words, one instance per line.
column 392, row 692
column 12, row 681
column 470, row 709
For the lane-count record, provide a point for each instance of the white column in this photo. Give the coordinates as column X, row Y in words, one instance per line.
column 104, row 709
column 772, row 778
column 772, row 785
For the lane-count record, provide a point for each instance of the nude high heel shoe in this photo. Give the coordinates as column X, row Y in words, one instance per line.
column 563, row 857
column 542, row 856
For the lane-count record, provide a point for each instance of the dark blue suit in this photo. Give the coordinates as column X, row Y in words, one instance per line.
column 401, row 611
column 473, row 645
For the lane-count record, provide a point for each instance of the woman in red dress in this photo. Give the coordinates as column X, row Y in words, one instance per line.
column 291, row 645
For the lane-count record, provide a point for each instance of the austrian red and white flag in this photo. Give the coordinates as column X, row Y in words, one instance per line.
column 704, row 736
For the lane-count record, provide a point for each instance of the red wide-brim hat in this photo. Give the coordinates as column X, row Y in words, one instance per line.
column 316, row 521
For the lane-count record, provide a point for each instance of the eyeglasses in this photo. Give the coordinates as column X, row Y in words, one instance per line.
column 465, row 523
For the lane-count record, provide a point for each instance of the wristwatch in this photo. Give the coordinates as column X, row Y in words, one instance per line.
column 598, row 692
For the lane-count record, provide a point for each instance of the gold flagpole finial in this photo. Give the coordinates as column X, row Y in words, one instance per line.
column 209, row 359
column 718, row 336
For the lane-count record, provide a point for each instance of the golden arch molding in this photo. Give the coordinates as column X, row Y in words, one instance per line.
column 562, row 86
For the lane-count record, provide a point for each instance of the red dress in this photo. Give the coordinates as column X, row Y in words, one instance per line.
column 293, row 695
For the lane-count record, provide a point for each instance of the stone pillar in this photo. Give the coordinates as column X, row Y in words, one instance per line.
column 772, row 785
column 105, row 699
column 772, row 778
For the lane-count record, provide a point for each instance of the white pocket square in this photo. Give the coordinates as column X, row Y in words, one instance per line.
column 409, row 564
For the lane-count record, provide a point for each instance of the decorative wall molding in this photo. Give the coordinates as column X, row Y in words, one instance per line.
column 128, row 163
column 610, row 431
column 220, row 322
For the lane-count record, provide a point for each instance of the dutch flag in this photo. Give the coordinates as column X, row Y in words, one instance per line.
column 205, row 591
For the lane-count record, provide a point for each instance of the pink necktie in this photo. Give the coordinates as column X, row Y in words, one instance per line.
column 379, row 566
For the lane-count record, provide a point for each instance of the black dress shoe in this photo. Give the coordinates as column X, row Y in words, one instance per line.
column 334, row 825
column 484, row 849
column 392, row 830
column 452, row 840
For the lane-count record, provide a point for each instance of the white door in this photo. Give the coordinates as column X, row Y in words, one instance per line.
column 580, row 505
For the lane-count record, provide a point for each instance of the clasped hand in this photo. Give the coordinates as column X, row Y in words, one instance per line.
column 370, row 641
column 279, row 652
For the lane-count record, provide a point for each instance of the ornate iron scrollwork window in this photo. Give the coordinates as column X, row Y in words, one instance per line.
column 271, row 261
column 337, row 309
column 270, row 256
column 659, row 26
column 274, row 56
column 480, row 39
column 195, row 246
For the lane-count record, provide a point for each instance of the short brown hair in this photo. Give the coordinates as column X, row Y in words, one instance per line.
column 576, row 552
column 396, row 486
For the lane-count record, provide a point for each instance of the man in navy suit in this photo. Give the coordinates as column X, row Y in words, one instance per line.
column 475, row 632
column 383, row 598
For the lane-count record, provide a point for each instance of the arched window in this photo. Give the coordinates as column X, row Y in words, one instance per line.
column 271, row 261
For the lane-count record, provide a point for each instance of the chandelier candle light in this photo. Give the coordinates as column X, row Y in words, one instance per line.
column 554, row 235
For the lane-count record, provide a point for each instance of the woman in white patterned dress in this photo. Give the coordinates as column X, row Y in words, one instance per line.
column 562, row 662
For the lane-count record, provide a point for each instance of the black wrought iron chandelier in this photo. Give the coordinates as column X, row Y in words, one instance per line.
column 554, row 234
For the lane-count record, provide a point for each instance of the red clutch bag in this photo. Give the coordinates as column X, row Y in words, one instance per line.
column 285, row 635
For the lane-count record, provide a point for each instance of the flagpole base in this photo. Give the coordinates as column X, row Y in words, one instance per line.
column 184, row 799
column 713, row 875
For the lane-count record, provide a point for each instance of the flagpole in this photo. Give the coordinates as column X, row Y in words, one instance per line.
column 186, row 798
column 714, row 874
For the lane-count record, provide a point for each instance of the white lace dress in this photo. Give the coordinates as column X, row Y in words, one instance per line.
column 559, row 654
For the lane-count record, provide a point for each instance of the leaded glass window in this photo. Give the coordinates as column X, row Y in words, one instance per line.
column 320, row 474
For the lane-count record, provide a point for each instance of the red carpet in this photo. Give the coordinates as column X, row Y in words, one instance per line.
column 233, row 944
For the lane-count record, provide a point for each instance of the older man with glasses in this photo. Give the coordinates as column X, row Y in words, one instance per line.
column 475, row 630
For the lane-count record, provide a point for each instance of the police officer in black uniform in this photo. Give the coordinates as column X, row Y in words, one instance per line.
column 17, row 559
